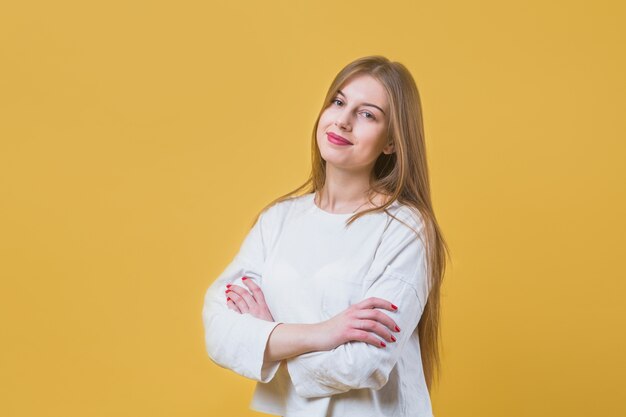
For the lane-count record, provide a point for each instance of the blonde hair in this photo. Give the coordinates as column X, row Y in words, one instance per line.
column 402, row 175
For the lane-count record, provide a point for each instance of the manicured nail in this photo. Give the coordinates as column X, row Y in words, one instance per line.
column 227, row 291
column 393, row 338
column 397, row 329
column 228, row 285
column 244, row 278
column 383, row 344
column 228, row 299
column 394, row 307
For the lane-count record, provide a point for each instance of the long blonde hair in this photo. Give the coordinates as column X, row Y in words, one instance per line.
column 402, row 175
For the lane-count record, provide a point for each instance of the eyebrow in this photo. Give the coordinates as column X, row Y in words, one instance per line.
column 365, row 104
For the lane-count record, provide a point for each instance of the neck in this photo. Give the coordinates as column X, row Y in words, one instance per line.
column 343, row 191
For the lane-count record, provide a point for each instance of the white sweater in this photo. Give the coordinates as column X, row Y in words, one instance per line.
column 310, row 268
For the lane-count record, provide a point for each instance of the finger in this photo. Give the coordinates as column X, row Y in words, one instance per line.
column 378, row 316
column 375, row 302
column 257, row 293
column 374, row 327
column 238, row 300
column 365, row 336
column 230, row 304
column 244, row 294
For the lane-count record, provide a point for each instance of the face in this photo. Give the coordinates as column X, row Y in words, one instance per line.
column 359, row 113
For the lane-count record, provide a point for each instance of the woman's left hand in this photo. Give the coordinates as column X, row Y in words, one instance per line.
column 242, row 301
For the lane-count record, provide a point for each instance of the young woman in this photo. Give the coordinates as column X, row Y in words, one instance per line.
column 332, row 302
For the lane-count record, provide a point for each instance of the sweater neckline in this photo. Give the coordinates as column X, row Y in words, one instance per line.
column 328, row 214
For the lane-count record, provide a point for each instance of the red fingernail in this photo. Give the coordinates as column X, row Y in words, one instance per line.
column 383, row 344
column 397, row 329
column 393, row 338
column 227, row 291
column 244, row 278
column 228, row 299
column 228, row 285
column 394, row 307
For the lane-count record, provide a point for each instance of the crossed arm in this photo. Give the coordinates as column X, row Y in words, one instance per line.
column 355, row 349
column 360, row 322
column 352, row 350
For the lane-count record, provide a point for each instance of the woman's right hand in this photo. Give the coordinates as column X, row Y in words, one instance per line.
column 361, row 322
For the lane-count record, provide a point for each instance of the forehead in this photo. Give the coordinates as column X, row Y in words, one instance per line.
column 365, row 88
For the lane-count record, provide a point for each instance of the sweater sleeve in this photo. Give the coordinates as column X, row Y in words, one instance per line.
column 398, row 274
column 233, row 340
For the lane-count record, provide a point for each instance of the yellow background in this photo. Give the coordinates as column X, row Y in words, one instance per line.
column 139, row 139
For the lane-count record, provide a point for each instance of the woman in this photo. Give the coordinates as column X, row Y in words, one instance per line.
column 332, row 302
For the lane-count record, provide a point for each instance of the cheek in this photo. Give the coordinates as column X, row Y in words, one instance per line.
column 324, row 123
column 326, row 118
column 371, row 134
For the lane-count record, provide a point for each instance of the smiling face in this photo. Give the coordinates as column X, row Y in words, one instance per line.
column 359, row 112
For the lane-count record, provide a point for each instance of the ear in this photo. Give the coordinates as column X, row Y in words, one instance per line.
column 389, row 148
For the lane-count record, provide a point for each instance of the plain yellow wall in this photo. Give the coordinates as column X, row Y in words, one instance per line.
column 139, row 139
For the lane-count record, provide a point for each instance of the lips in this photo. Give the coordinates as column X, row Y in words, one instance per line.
column 339, row 138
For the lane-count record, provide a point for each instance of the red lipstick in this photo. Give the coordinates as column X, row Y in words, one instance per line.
column 337, row 140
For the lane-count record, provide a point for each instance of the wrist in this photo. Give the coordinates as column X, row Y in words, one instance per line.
column 305, row 337
column 293, row 339
column 313, row 337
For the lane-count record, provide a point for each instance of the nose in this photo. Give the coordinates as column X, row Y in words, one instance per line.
column 341, row 123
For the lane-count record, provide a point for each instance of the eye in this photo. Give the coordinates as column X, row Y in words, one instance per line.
column 336, row 100
column 371, row 116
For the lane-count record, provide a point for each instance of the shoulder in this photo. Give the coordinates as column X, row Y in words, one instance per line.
column 405, row 217
column 279, row 211
column 401, row 252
